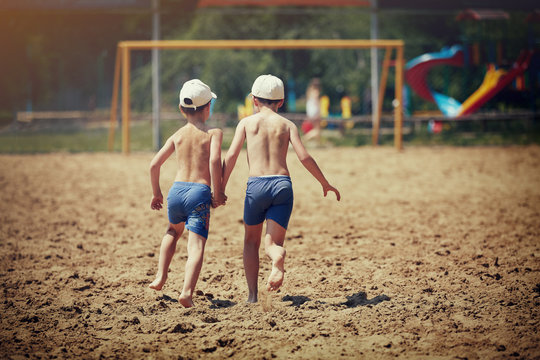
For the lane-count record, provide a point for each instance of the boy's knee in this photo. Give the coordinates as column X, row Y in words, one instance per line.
column 172, row 232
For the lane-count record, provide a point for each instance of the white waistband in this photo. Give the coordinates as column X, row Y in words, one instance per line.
column 267, row 176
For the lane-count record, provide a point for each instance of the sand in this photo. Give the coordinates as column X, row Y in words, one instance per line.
column 432, row 253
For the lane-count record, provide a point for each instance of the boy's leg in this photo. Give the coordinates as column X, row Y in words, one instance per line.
column 273, row 244
column 195, row 250
column 252, row 242
column 166, row 252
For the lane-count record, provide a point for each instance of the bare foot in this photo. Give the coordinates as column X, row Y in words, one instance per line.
column 186, row 301
column 276, row 276
column 158, row 283
column 252, row 298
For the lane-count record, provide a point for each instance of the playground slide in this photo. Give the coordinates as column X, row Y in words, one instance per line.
column 495, row 81
column 491, row 79
column 416, row 71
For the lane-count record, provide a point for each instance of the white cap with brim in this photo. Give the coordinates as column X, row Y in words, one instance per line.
column 268, row 87
column 195, row 93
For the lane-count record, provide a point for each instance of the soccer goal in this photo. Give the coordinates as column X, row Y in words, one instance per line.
column 123, row 66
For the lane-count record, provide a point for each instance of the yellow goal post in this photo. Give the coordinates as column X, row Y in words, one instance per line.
column 123, row 67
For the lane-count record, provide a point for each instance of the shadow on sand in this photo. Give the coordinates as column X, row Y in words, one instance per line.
column 221, row 304
column 216, row 303
column 167, row 298
column 360, row 299
column 296, row 300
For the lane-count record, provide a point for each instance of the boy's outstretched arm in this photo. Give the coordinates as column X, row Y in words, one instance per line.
column 309, row 163
column 233, row 152
column 155, row 167
column 215, row 167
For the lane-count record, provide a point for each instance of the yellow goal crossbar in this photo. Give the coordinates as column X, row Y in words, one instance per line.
column 123, row 67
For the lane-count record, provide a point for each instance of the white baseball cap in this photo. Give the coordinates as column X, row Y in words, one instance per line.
column 195, row 93
column 268, row 87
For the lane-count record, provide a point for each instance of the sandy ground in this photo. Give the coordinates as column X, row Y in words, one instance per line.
column 432, row 253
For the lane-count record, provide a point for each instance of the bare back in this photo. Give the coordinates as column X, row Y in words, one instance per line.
column 267, row 136
column 192, row 149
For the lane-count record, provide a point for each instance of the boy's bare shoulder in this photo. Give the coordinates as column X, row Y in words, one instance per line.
column 275, row 117
column 248, row 121
column 178, row 133
column 284, row 121
column 289, row 122
column 250, row 118
column 215, row 131
column 182, row 129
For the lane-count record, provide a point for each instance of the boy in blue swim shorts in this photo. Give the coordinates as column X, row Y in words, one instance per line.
column 268, row 197
column 197, row 149
column 269, row 194
column 189, row 202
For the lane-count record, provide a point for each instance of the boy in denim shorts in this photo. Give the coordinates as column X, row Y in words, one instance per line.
column 269, row 194
column 197, row 149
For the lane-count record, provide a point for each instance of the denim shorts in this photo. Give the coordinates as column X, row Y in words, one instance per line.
column 190, row 203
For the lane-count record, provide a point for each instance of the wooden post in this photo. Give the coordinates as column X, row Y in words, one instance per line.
column 398, row 106
column 382, row 90
column 114, row 101
column 126, row 46
column 125, row 99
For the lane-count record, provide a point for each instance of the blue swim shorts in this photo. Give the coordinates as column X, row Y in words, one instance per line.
column 190, row 203
column 268, row 197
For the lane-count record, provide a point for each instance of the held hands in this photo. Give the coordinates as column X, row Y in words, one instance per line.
column 157, row 202
column 328, row 187
column 220, row 199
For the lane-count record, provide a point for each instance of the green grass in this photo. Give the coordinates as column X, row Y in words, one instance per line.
column 96, row 140
column 516, row 132
column 45, row 142
column 487, row 133
column 88, row 140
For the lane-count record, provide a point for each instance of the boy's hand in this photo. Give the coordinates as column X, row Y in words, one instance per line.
column 328, row 188
column 157, row 202
column 219, row 200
